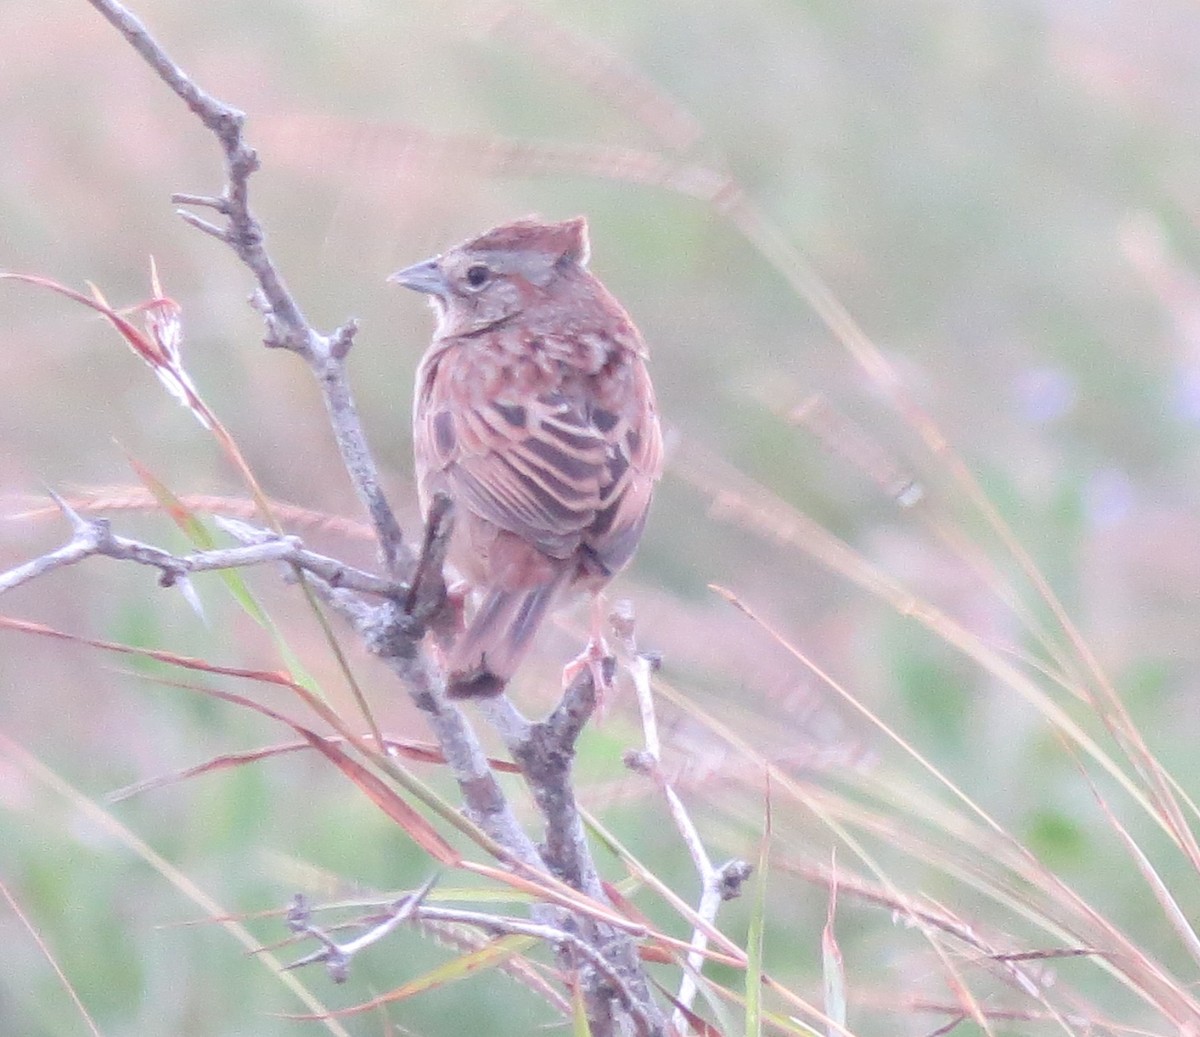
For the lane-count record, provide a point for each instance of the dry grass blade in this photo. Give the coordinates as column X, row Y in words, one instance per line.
column 371, row 751
column 417, row 752
column 853, row 444
column 226, row 761
column 833, row 965
column 1009, row 877
column 400, row 145
column 839, row 815
column 521, row 969
column 539, row 885
column 789, row 1024
column 758, row 920
column 1168, row 903
column 877, row 721
column 792, row 266
column 172, row 658
column 1004, row 872
column 752, row 507
column 940, row 917
column 545, row 887
column 731, row 952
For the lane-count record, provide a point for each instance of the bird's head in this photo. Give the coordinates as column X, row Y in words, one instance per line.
column 499, row 274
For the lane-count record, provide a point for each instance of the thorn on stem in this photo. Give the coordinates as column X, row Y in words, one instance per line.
column 211, row 229
column 299, row 914
column 78, row 523
column 205, row 201
column 342, row 339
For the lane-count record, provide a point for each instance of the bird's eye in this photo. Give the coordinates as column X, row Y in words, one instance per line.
column 477, row 275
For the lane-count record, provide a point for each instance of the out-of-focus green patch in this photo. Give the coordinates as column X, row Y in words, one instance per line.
column 230, row 807
column 1143, row 685
column 1056, row 838
column 935, row 695
column 84, row 895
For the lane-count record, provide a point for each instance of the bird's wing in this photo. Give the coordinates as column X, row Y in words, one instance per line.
column 628, row 420
column 531, row 463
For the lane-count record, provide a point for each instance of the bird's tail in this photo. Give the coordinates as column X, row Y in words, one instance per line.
column 501, row 632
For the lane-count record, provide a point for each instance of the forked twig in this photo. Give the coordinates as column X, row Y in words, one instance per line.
column 94, row 537
column 598, row 949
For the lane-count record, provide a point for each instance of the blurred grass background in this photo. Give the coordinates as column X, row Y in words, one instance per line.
column 1002, row 193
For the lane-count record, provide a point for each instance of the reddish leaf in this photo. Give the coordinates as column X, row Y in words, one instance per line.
column 158, row 345
column 624, row 905
column 184, row 661
column 700, row 1025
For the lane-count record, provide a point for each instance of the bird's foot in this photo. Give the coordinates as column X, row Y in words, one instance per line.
column 456, row 598
column 599, row 659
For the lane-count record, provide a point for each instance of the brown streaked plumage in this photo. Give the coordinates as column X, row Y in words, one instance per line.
column 534, row 411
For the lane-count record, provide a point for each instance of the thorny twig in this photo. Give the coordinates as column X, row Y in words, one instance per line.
column 326, row 354
column 337, row 956
column 94, row 537
column 614, row 986
column 545, row 753
column 286, row 325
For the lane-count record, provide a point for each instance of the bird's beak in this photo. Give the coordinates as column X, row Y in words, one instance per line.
column 422, row 277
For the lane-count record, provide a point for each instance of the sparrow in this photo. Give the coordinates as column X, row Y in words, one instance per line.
column 534, row 412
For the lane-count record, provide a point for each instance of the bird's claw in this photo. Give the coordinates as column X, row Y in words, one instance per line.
column 598, row 658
